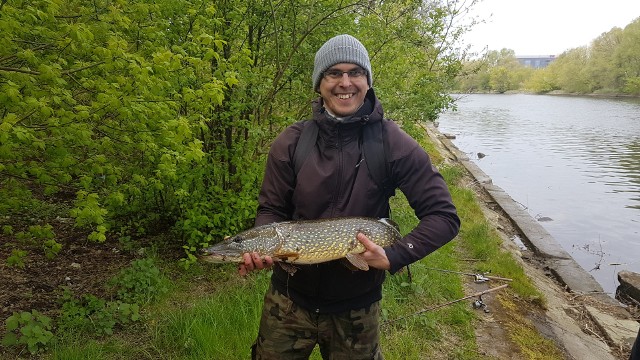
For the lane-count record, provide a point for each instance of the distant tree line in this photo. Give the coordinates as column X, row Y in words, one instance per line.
column 609, row 65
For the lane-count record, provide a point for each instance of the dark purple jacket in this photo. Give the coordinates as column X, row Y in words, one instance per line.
column 334, row 182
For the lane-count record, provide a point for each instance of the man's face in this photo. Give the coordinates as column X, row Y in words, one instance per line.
column 344, row 94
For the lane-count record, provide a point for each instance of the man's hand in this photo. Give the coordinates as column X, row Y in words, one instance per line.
column 252, row 261
column 375, row 255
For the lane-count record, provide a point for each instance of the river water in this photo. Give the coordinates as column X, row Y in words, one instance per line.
column 573, row 163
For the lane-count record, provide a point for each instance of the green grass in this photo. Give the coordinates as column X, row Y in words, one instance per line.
column 211, row 313
column 222, row 326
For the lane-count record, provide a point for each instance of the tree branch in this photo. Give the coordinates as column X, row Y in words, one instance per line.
column 8, row 69
column 66, row 72
column 82, row 68
column 40, row 47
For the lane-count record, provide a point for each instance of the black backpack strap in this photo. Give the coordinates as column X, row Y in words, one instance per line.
column 305, row 145
column 376, row 150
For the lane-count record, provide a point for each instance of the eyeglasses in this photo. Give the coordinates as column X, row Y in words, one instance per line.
column 335, row 74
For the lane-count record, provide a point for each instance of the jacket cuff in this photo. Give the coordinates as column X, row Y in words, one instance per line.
column 394, row 261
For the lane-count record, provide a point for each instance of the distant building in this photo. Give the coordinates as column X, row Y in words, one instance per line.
column 536, row 61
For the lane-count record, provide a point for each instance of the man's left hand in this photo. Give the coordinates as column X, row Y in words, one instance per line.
column 375, row 255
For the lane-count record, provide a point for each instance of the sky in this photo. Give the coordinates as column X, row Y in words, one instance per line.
column 547, row 27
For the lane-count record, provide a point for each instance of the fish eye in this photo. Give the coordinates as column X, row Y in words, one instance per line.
column 237, row 239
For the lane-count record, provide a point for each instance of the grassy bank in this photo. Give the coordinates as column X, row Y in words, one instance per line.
column 210, row 312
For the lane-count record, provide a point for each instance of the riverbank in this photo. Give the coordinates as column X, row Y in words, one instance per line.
column 580, row 316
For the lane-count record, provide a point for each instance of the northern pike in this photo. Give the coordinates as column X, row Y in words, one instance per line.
column 306, row 241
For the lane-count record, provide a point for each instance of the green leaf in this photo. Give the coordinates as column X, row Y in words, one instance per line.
column 10, row 339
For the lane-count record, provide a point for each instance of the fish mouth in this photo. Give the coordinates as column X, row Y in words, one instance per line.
column 219, row 256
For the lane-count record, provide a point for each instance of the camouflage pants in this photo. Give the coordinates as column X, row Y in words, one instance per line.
column 290, row 332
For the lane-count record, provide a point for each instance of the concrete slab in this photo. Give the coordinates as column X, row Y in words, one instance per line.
column 575, row 278
column 540, row 240
column 618, row 331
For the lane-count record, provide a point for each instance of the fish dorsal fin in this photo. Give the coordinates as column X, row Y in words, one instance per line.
column 358, row 261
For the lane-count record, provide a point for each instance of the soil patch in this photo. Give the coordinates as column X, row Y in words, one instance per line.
column 82, row 267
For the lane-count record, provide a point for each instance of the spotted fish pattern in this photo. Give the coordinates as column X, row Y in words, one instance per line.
column 306, row 241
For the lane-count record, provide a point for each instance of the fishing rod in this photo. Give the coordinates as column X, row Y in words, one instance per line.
column 479, row 278
column 478, row 294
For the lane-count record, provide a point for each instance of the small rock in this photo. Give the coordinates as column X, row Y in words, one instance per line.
column 75, row 265
column 449, row 136
column 629, row 284
column 67, row 279
column 481, row 155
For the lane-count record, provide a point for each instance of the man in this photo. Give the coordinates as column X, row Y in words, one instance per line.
column 330, row 304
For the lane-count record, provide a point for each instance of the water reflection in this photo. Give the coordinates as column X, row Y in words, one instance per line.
column 575, row 160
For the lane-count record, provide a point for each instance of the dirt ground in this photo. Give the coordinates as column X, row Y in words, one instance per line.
column 81, row 266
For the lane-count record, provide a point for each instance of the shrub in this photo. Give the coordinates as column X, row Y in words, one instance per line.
column 140, row 283
column 28, row 328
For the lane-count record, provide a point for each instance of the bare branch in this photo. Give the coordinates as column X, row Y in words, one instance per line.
column 40, row 47
column 67, row 72
column 82, row 68
column 8, row 69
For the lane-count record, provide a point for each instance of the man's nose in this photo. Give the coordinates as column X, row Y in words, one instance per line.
column 345, row 80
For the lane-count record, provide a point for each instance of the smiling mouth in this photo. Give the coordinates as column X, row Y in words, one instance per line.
column 344, row 96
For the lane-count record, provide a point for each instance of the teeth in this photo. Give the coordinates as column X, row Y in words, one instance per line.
column 344, row 96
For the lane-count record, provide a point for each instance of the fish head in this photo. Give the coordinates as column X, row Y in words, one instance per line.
column 229, row 250
column 260, row 240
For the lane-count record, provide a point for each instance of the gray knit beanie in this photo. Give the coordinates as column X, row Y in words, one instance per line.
column 340, row 49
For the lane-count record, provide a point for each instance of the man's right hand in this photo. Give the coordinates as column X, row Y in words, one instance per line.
column 252, row 261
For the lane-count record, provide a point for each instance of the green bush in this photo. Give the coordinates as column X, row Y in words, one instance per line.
column 16, row 259
column 28, row 328
column 92, row 314
column 140, row 283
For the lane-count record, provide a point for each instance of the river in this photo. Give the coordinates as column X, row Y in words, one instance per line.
column 573, row 163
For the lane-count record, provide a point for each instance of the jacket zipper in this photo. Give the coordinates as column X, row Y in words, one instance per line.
column 337, row 194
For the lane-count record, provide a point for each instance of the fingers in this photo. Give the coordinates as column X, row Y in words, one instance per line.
column 253, row 261
column 364, row 240
column 374, row 255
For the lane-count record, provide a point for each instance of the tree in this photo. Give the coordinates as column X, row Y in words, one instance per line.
column 627, row 60
column 601, row 65
column 570, row 69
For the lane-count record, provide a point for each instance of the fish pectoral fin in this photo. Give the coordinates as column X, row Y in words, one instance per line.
column 292, row 256
column 348, row 264
column 289, row 268
column 358, row 261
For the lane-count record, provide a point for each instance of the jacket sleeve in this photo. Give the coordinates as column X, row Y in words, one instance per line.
column 274, row 201
column 430, row 199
